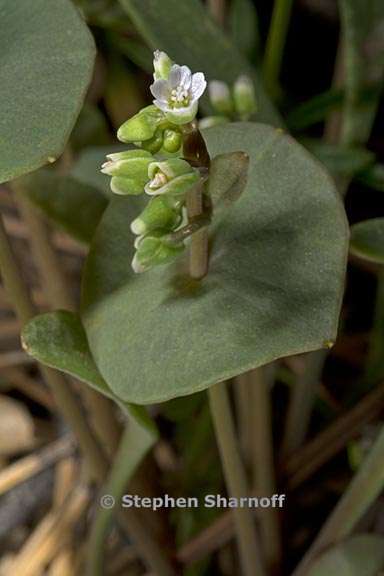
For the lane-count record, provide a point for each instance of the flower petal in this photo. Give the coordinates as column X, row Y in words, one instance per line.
column 179, row 76
column 162, row 105
column 186, row 77
column 182, row 115
column 160, row 90
column 198, row 85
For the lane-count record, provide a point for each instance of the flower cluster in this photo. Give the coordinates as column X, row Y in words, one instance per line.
column 156, row 166
column 238, row 103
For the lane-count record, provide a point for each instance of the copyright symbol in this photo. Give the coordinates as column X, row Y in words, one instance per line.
column 107, row 501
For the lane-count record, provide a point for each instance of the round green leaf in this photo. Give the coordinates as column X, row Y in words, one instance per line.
column 46, row 60
column 274, row 287
column 367, row 240
column 361, row 555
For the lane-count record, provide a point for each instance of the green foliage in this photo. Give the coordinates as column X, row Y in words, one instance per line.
column 46, row 59
column 244, row 28
column 90, row 129
column 58, row 340
column 228, row 175
column 364, row 66
column 373, row 177
column 340, row 160
column 274, row 286
column 361, row 555
column 314, row 110
column 73, row 206
column 186, row 32
column 367, row 240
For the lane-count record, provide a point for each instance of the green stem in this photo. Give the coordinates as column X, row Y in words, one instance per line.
column 65, row 397
column 263, row 465
column 234, row 474
column 199, row 240
column 362, row 492
column 217, row 9
column 222, row 417
column 274, row 50
column 302, row 401
column 374, row 369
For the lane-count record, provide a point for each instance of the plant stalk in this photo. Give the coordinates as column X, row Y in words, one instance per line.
column 198, row 264
column 263, row 466
column 234, row 474
column 301, row 402
column 274, row 49
column 361, row 493
column 217, row 9
column 221, row 413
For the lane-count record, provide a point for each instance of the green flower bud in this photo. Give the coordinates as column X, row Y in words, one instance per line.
column 160, row 213
column 155, row 143
column 174, row 176
column 129, row 170
column 154, row 250
column 172, row 141
column 162, row 65
column 125, row 186
column 210, row 121
column 244, row 97
column 220, row 97
column 142, row 126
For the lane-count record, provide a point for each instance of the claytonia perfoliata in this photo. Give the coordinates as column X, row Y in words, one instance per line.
column 178, row 95
column 236, row 103
column 244, row 97
column 161, row 212
column 174, row 176
column 142, row 126
column 129, row 171
column 154, row 249
column 220, row 96
column 157, row 167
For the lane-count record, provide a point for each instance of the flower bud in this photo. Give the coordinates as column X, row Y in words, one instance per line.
column 160, row 213
column 142, row 126
column 174, row 176
column 154, row 250
column 244, row 97
column 210, row 121
column 155, row 143
column 162, row 65
column 220, row 97
column 129, row 171
column 172, row 140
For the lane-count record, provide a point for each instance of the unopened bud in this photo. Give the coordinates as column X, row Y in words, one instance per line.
column 154, row 250
column 160, row 213
column 244, row 97
column 220, row 97
column 129, row 171
column 172, row 140
column 210, row 121
column 174, row 176
column 142, row 126
column 162, row 65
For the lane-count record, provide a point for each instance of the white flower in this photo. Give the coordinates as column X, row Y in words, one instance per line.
column 178, row 95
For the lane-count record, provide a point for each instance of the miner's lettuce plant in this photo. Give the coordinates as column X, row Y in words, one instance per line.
column 217, row 244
